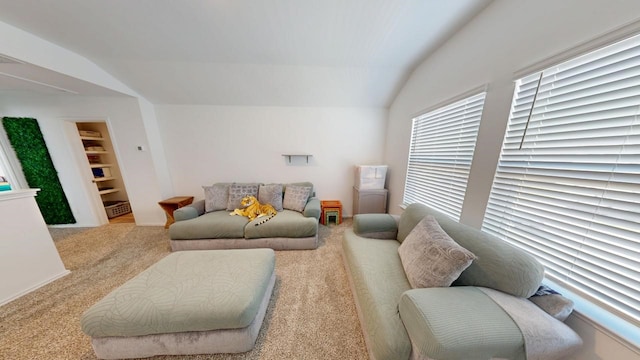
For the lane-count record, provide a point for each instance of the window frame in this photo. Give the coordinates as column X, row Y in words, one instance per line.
column 624, row 329
column 436, row 170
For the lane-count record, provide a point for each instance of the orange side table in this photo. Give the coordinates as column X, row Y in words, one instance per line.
column 172, row 204
column 330, row 208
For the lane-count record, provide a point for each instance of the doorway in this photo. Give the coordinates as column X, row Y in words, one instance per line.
column 102, row 162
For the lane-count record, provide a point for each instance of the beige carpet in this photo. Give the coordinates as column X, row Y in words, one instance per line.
column 311, row 314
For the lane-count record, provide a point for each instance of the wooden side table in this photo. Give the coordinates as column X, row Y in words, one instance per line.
column 172, row 204
column 330, row 208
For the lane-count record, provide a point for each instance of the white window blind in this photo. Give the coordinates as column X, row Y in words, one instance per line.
column 567, row 187
column 442, row 144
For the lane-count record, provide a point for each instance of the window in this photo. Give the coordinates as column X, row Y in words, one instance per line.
column 567, row 187
column 5, row 183
column 442, row 144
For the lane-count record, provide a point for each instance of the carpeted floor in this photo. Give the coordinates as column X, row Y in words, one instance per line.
column 311, row 314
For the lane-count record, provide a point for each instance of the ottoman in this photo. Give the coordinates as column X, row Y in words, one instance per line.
column 190, row 302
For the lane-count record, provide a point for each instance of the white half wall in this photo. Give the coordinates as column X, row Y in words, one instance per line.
column 208, row 144
column 28, row 257
column 127, row 129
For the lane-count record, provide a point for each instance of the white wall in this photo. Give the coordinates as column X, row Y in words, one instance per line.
column 207, row 144
column 127, row 130
column 507, row 37
column 131, row 120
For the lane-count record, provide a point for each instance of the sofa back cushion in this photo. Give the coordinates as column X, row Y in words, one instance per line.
column 296, row 197
column 216, row 196
column 499, row 265
column 239, row 190
column 271, row 194
column 411, row 216
column 430, row 257
column 302, row 183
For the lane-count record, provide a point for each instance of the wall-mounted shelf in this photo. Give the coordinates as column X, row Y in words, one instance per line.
column 289, row 156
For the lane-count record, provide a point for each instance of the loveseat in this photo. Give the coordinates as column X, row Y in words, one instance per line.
column 484, row 307
column 206, row 224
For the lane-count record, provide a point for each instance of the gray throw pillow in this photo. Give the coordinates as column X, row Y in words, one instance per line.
column 295, row 197
column 238, row 191
column 216, row 197
column 430, row 257
column 271, row 194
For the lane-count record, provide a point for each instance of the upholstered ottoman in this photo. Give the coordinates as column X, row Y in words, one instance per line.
column 190, row 302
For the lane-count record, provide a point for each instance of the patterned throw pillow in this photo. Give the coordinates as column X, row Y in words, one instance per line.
column 271, row 194
column 295, row 197
column 238, row 191
column 430, row 257
column 216, row 197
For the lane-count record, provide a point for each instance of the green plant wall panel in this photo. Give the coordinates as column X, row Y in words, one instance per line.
column 28, row 143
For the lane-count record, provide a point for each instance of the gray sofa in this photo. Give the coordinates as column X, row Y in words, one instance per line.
column 487, row 313
column 198, row 229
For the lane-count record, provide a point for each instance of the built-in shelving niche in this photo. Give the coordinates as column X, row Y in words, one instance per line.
column 104, row 166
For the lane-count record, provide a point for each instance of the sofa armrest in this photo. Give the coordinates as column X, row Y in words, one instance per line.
column 376, row 226
column 190, row 211
column 312, row 209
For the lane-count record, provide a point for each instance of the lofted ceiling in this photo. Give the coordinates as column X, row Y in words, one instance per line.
column 355, row 53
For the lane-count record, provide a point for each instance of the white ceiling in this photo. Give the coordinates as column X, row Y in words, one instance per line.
column 16, row 76
column 245, row 52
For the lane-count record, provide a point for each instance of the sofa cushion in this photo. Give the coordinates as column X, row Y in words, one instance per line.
column 295, row 198
column 430, row 257
column 499, row 265
column 216, row 224
column 378, row 281
column 271, row 194
column 239, row 190
column 452, row 323
column 216, row 197
column 302, row 183
column 286, row 223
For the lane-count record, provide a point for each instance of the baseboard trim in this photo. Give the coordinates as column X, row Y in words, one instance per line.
column 35, row 287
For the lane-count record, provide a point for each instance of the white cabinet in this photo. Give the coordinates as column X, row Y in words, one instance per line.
column 369, row 201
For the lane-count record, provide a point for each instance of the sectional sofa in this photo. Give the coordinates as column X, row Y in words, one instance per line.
column 206, row 224
column 490, row 311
